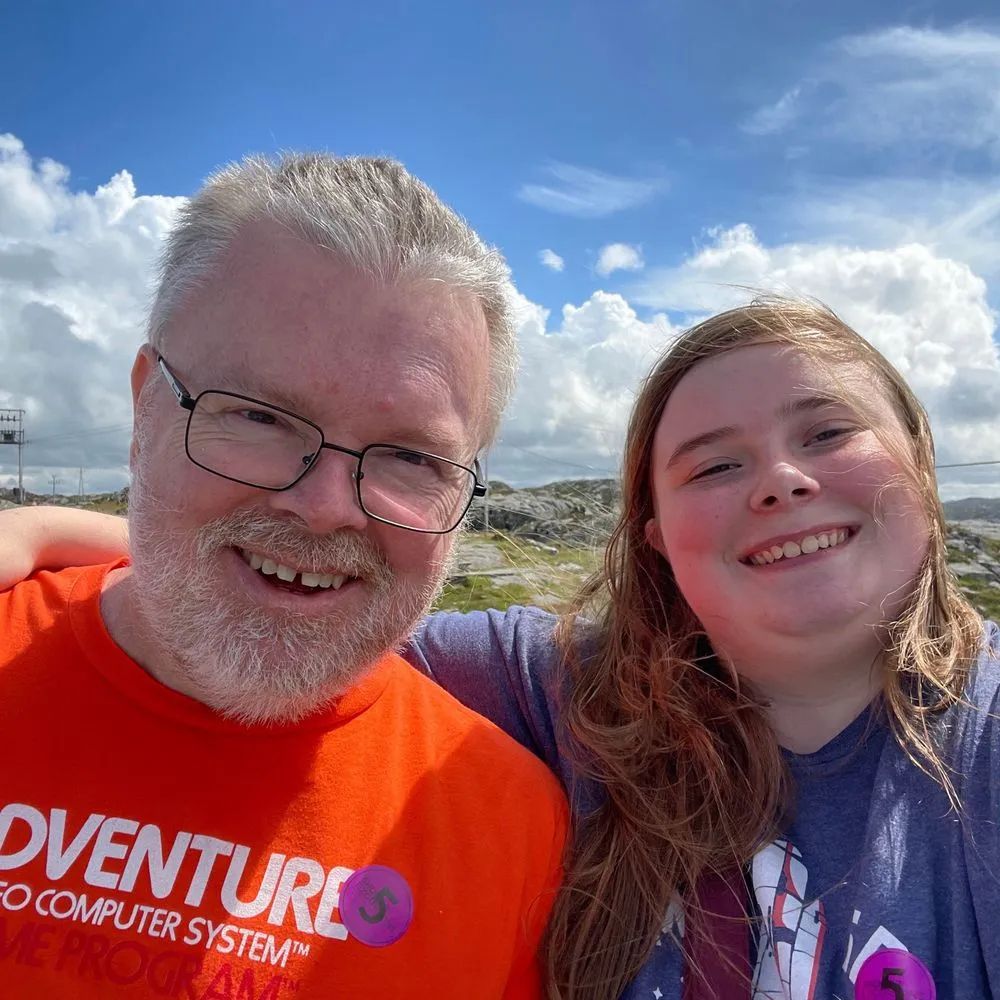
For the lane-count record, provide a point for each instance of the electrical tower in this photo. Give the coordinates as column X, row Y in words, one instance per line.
column 12, row 432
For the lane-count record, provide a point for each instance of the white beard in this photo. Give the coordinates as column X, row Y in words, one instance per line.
column 258, row 664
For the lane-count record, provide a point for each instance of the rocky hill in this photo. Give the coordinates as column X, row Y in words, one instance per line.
column 974, row 509
column 575, row 511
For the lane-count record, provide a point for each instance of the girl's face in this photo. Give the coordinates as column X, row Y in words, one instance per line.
column 780, row 511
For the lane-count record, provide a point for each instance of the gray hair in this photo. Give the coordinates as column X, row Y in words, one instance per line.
column 369, row 211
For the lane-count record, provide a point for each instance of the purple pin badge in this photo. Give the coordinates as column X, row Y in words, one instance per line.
column 894, row 974
column 376, row 905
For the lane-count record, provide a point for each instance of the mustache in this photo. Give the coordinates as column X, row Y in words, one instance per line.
column 287, row 542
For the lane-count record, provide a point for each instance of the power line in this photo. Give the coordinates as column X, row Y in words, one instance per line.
column 76, row 435
column 966, row 465
column 556, row 461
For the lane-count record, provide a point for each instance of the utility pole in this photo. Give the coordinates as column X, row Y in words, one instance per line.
column 80, row 494
column 12, row 432
column 55, row 479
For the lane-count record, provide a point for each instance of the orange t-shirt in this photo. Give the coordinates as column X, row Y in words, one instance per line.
column 150, row 848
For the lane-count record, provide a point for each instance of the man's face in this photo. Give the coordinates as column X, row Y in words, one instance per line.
column 288, row 324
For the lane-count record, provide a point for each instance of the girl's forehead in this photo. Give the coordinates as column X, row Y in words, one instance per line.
column 750, row 385
column 766, row 371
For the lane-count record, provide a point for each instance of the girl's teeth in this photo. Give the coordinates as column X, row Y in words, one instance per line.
column 808, row 545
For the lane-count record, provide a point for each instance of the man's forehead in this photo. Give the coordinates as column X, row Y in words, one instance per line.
column 284, row 320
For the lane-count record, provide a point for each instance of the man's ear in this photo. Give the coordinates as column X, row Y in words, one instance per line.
column 655, row 537
column 143, row 369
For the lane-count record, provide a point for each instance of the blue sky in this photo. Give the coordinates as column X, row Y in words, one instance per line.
column 785, row 144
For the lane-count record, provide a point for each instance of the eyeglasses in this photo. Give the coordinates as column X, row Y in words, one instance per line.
column 255, row 443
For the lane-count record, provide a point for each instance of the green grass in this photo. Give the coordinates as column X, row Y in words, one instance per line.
column 551, row 578
column 985, row 599
column 480, row 593
column 106, row 507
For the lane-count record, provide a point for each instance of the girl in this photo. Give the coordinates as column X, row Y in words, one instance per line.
column 774, row 672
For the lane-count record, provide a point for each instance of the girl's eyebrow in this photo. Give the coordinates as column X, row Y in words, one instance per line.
column 804, row 404
column 789, row 408
column 700, row 441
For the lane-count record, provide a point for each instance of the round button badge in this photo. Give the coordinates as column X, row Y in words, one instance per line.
column 376, row 905
column 894, row 974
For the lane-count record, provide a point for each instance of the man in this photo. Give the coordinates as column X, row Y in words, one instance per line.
column 220, row 781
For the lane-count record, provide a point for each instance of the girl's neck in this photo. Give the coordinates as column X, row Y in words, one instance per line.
column 804, row 723
column 812, row 693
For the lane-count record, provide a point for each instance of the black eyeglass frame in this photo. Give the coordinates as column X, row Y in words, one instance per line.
column 189, row 402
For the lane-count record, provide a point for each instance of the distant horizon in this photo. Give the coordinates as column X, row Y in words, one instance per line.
column 6, row 493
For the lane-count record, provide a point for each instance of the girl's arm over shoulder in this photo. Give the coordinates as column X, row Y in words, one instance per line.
column 34, row 538
column 501, row 664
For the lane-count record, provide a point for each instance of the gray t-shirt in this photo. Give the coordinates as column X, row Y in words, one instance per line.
column 874, row 860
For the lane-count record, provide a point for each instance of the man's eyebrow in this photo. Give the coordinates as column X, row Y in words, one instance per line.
column 430, row 439
column 790, row 408
column 427, row 438
column 260, row 388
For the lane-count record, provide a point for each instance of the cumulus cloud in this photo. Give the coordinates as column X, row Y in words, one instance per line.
column 74, row 283
column 551, row 260
column 74, row 278
column 576, row 387
column 619, row 257
column 929, row 314
column 587, row 193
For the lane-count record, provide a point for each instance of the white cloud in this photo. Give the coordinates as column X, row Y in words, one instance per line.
column 775, row 117
column 923, row 91
column 928, row 313
column 75, row 267
column 74, row 284
column 576, row 387
column 619, row 257
column 551, row 260
column 588, row 193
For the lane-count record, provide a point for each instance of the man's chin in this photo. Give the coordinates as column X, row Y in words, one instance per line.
column 256, row 708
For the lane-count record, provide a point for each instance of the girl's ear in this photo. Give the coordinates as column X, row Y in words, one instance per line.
column 655, row 537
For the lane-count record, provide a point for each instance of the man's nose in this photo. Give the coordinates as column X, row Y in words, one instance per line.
column 783, row 483
column 325, row 499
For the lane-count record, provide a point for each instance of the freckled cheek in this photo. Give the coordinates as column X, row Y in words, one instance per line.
column 695, row 529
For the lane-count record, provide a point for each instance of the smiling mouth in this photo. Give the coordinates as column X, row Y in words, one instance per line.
column 288, row 578
column 800, row 545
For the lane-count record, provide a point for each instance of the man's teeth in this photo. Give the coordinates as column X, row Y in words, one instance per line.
column 271, row 568
column 805, row 546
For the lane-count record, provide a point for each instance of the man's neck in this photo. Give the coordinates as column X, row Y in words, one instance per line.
column 126, row 624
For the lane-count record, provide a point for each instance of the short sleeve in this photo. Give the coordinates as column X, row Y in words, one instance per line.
column 501, row 664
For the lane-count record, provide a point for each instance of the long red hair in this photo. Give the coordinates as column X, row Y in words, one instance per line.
column 693, row 777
